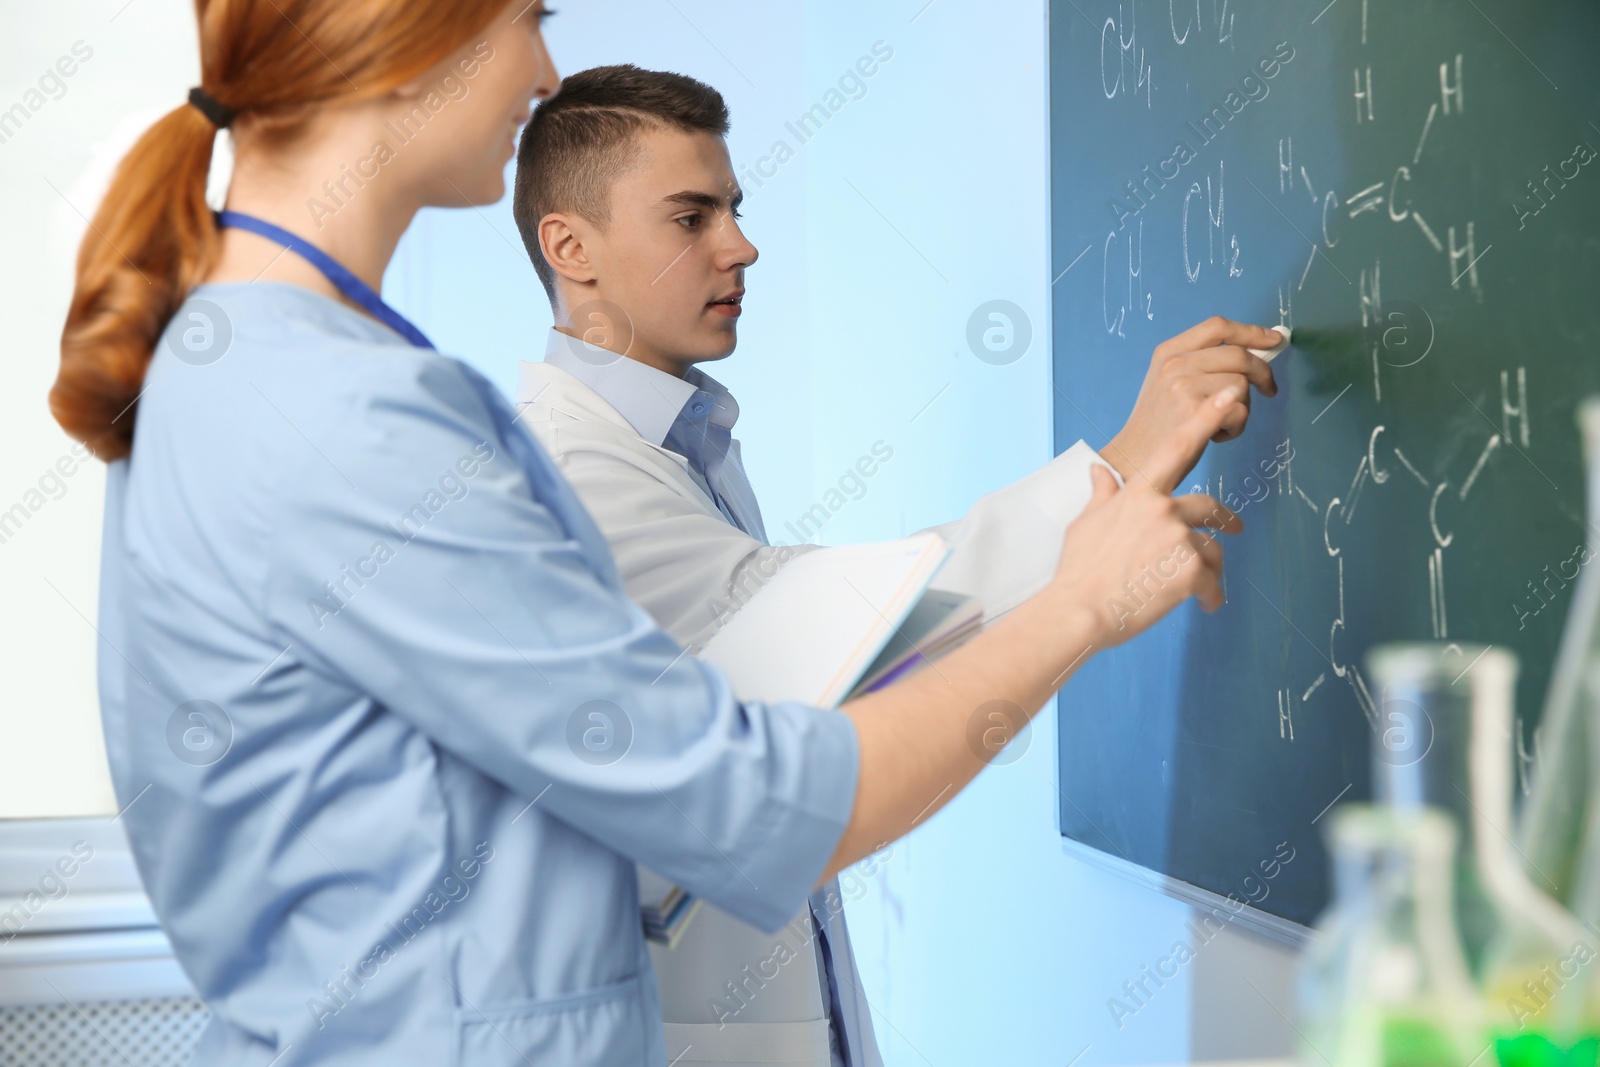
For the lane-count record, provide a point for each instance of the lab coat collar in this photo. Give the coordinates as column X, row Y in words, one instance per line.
column 649, row 399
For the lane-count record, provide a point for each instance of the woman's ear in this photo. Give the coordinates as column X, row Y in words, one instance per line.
column 562, row 240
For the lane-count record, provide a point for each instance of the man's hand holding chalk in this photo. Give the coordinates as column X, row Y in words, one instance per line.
column 1215, row 364
column 1269, row 354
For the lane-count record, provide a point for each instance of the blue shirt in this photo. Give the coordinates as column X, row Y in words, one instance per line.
column 388, row 737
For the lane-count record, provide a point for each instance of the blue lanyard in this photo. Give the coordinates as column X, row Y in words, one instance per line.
column 352, row 287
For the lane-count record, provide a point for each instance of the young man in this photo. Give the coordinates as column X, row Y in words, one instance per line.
column 627, row 201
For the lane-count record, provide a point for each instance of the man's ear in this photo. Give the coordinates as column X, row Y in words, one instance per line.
column 410, row 90
column 561, row 239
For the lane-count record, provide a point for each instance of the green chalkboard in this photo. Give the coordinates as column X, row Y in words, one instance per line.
column 1414, row 187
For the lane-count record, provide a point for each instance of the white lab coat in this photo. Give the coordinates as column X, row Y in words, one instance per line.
column 681, row 560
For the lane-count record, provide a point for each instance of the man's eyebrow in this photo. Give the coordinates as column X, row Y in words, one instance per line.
column 693, row 198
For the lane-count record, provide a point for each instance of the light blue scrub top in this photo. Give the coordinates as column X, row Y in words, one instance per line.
column 388, row 736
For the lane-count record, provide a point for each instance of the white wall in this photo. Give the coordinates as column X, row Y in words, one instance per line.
column 52, row 171
column 981, row 940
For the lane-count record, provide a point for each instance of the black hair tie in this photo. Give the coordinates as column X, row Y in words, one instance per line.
column 219, row 115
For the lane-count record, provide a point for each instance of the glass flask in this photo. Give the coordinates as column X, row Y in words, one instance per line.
column 1444, row 739
column 1546, row 1006
column 1383, row 982
column 1586, row 882
column 1551, row 829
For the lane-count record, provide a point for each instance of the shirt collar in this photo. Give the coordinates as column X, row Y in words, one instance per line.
column 650, row 399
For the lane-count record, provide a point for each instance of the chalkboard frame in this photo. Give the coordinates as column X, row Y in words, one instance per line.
column 1232, row 911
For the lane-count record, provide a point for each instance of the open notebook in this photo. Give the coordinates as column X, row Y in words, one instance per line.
column 827, row 625
column 940, row 621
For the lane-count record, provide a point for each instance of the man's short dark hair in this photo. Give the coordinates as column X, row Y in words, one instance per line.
column 581, row 139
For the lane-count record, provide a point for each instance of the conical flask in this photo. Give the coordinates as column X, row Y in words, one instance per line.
column 1383, row 982
column 1551, row 830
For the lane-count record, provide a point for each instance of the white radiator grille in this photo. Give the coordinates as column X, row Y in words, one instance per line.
column 118, row 1033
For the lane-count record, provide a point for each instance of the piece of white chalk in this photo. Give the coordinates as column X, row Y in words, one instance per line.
column 1269, row 354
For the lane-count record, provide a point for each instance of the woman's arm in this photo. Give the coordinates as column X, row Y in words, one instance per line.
column 1129, row 559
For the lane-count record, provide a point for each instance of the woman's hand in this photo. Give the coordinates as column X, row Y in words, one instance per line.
column 1128, row 559
column 1134, row 554
column 1187, row 373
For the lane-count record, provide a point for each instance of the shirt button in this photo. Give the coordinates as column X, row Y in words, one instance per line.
column 698, row 408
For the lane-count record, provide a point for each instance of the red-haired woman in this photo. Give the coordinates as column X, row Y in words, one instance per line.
column 388, row 737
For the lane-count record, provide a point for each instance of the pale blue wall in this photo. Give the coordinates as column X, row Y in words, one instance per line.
column 981, row 943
